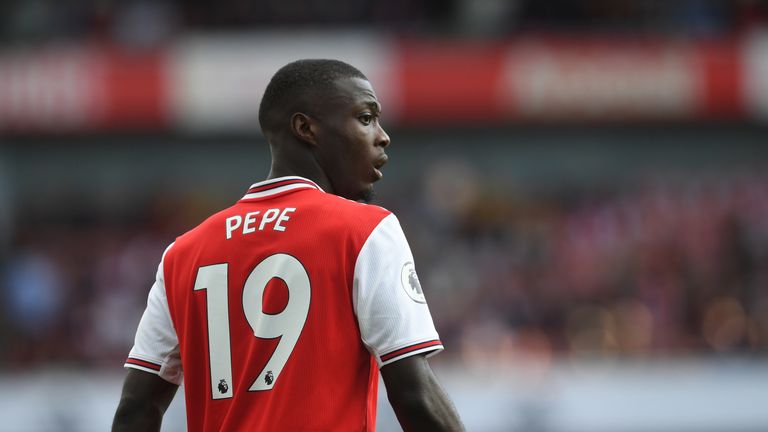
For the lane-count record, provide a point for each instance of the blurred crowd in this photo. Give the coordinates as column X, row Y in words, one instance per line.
column 662, row 267
column 650, row 268
column 154, row 22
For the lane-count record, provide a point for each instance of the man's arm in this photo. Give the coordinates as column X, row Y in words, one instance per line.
column 144, row 400
column 417, row 398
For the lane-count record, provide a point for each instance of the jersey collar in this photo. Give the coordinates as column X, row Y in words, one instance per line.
column 279, row 185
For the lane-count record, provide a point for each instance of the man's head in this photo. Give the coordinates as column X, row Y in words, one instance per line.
column 330, row 110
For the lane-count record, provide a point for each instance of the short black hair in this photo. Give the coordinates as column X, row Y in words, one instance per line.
column 296, row 84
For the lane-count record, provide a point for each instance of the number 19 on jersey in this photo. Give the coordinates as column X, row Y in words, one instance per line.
column 287, row 325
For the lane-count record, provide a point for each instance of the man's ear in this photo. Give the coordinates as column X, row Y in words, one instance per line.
column 304, row 128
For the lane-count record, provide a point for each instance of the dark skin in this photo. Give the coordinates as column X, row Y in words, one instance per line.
column 143, row 403
column 341, row 148
column 417, row 398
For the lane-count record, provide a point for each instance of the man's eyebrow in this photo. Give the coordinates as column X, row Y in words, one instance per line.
column 374, row 106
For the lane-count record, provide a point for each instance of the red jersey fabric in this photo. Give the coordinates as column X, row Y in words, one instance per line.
column 329, row 380
column 279, row 310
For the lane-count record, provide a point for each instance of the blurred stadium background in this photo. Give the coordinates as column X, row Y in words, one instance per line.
column 583, row 184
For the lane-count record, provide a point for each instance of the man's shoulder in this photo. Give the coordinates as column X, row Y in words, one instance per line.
column 338, row 217
column 313, row 210
column 353, row 210
column 203, row 229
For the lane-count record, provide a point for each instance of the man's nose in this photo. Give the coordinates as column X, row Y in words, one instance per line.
column 383, row 138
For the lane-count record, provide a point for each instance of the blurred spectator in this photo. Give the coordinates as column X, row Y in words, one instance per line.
column 34, row 293
column 140, row 22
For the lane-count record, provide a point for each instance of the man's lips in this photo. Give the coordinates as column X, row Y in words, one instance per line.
column 377, row 164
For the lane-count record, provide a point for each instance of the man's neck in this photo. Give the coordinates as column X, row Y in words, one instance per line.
column 308, row 171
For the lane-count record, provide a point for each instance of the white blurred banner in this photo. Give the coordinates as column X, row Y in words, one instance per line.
column 210, row 82
column 599, row 396
column 218, row 82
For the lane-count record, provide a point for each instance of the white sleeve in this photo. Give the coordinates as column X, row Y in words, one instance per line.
column 156, row 347
column 391, row 310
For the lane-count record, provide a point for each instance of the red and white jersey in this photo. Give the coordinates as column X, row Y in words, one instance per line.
column 279, row 310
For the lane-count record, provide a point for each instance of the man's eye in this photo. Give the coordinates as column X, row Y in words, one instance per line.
column 366, row 119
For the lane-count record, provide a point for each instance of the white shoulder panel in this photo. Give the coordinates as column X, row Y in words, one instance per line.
column 390, row 306
column 156, row 347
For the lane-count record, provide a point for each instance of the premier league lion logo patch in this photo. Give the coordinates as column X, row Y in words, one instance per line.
column 410, row 282
column 223, row 387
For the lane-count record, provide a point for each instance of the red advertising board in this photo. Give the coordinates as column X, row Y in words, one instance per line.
column 200, row 85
